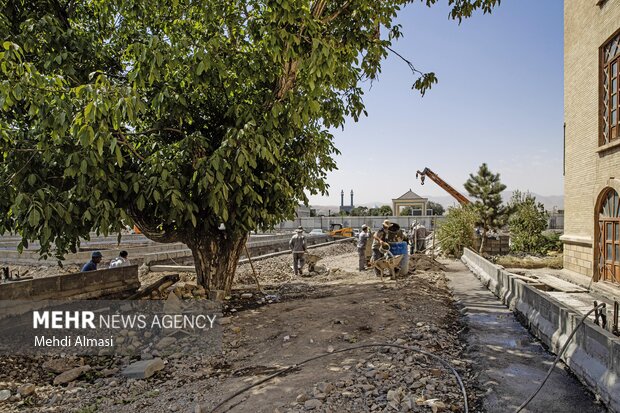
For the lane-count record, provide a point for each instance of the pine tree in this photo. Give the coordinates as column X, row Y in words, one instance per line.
column 486, row 188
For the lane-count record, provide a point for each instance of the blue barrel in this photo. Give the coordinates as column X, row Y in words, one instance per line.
column 401, row 248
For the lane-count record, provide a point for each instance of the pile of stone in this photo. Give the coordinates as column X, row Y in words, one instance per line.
column 182, row 291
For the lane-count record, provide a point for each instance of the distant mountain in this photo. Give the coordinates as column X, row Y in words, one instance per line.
column 550, row 202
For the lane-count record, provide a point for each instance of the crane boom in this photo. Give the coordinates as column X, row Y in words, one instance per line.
column 443, row 184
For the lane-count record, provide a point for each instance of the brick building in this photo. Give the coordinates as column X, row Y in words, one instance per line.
column 592, row 138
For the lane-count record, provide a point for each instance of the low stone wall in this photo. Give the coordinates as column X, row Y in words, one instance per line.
column 593, row 354
column 113, row 282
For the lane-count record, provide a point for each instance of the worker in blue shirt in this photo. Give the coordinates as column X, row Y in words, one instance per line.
column 94, row 260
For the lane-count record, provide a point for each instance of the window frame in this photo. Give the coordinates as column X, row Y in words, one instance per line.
column 605, row 97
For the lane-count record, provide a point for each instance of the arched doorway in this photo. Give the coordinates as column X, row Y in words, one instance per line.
column 608, row 236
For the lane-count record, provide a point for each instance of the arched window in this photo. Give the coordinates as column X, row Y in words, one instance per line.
column 609, row 236
column 610, row 91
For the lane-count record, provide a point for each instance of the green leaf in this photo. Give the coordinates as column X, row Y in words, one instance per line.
column 119, row 156
column 140, row 202
column 34, row 217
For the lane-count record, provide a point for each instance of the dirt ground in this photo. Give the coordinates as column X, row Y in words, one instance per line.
column 299, row 318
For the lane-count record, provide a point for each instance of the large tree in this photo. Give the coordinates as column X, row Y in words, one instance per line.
column 436, row 207
column 486, row 187
column 197, row 120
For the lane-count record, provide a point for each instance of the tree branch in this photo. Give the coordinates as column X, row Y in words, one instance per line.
column 133, row 150
column 286, row 82
column 22, row 168
column 337, row 13
column 155, row 130
column 151, row 229
column 411, row 66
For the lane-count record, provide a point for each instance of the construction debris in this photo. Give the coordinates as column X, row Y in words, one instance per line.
column 143, row 369
column 156, row 288
column 258, row 338
column 70, row 375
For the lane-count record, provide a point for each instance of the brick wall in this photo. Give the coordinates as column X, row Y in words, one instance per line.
column 578, row 258
column 586, row 28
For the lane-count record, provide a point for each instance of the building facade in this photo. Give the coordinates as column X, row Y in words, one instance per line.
column 592, row 138
column 409, row 199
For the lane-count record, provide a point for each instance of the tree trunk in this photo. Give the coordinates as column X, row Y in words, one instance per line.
column 482, row 240
column 216, row 257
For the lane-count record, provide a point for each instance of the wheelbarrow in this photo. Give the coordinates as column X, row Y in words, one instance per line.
column 311, row 260
column 388, row 263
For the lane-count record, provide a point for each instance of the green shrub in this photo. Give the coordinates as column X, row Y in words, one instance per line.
column 527, row 222
column 456, row 232
column 552, row 242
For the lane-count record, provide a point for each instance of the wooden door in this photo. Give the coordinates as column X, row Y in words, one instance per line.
column 609, row 237
column 611, row 251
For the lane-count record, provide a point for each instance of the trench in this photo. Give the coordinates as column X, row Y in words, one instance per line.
column 511, row 362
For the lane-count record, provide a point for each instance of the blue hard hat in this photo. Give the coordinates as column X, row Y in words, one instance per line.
column 96, row 254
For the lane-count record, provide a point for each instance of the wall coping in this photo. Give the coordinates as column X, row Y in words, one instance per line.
column 576, row 239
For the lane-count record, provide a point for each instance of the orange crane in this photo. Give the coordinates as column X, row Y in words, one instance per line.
column 447, row 187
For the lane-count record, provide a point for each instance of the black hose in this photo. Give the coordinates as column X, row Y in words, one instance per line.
column 557, row 358
column 261, row 381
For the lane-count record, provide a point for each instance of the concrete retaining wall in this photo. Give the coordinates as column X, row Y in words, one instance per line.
column 310, row 223
column 270, row 244
column 82, row 285
column 146, row 251
column 30, row 257
column 593, row 354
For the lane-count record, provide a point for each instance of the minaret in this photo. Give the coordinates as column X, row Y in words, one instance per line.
column 342, row 198
column 351, row 198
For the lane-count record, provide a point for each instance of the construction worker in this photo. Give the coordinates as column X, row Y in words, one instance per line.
column 298, row 247
column 95, row 258
column 413, row 247
column 362, row 240
column 121, row 260
column 420, row 236
column 379, row 238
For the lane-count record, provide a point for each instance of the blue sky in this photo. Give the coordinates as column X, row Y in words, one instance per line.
column 499, row 100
